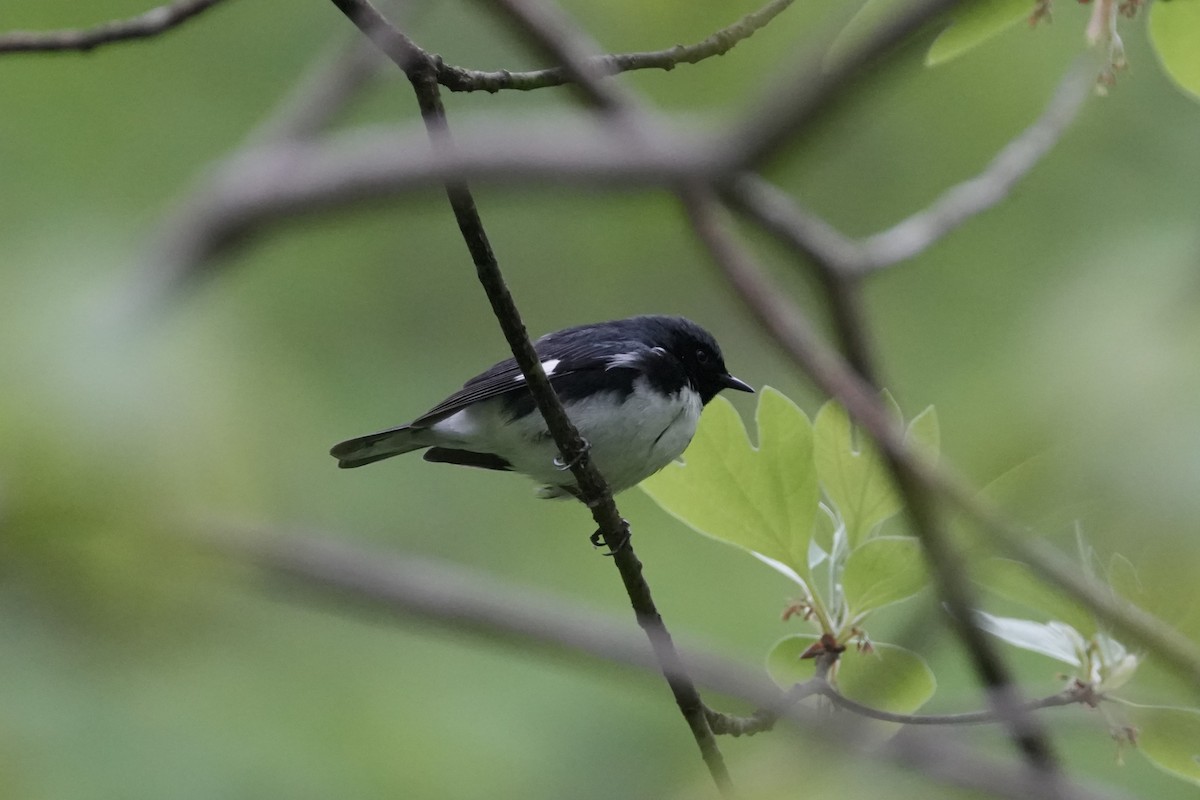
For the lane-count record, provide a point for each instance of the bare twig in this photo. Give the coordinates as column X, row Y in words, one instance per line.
column 460, row 79
column 459, row 600
column 270, row 183
column 143, row 26
column 1068, row 697
column 593, row 489
column 766, row 718
column 548, row 31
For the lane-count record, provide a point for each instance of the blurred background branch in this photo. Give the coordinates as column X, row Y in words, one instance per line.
column 448, row 596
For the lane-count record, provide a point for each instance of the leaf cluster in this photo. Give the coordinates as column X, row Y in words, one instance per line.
column 810, row 501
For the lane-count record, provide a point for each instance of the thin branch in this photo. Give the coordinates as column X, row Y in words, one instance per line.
column 143, row 26
column 1068, row 697
column 548, row 31
column 765, row 719
column 452, row 597
column 594, row 491
column 460, row 79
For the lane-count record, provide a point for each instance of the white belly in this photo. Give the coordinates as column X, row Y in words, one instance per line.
column 629, row 442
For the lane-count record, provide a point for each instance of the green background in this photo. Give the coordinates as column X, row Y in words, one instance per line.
column 1061, row 325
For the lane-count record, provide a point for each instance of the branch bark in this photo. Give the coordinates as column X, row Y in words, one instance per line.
column 461, row 79
column 143, row 26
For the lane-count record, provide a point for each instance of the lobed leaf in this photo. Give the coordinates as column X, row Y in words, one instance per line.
column 854, row 477
column 882, row 571
column 764, row 498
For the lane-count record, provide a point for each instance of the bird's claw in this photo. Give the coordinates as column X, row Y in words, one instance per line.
column 563, row 466
column 597, row 540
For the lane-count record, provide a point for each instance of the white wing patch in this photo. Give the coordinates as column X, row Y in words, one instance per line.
column 623, row 360
column 547, row 366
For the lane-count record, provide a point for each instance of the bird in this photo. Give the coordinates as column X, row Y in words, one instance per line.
column 634, row 388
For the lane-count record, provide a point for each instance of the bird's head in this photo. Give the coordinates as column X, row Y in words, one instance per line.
column 700, row 355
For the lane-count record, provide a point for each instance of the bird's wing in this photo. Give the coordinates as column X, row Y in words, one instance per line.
column 562, row 354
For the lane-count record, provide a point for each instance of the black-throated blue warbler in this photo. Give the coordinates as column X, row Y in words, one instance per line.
column 633, row 387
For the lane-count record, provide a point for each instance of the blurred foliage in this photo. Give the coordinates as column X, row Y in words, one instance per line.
column 1062, row 324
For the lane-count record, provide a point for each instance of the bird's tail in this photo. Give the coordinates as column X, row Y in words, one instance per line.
column 378, row 446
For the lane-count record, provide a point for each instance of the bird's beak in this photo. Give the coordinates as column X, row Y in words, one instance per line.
column 734, row 383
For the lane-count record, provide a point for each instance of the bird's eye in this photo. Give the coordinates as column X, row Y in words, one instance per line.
column 702, row 356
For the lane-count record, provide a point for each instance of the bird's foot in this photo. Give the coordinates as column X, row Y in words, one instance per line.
column 563, row 466
column 597, row 540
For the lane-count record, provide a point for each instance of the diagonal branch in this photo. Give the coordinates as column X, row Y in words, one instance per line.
column 461, row 79
column 593, row 489
column 143, row 26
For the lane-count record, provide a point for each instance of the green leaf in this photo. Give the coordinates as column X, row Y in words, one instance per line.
column 763, row 499
column 1174, row 32
column 1169, row 738
column 854, row 478
column 888, row 677
column 882, row 571
column 974, row 24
